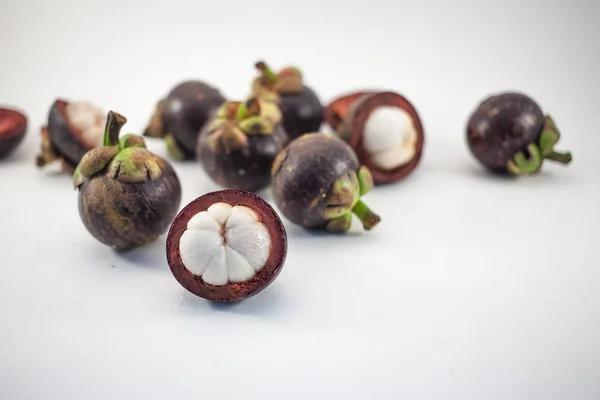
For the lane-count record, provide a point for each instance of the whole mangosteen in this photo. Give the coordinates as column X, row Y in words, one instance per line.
column 13, row 126
column 128, row 196
column 300, row 106
column 318, row 182
column 238, row 146
column 181, row 115
column 73, row 129
column 509, row 134
column 383, row 128
column 226, row 246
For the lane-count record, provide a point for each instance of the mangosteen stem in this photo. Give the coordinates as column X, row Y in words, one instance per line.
column 368, row 218
column 563, row 158
column 114, row 123
column 266, row 71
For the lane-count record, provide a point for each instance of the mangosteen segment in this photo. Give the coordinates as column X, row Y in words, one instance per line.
column 389, row 137
column 509, row 133
column 13, row 126
column 385, row 131
column 226, row 245
column 73, row 129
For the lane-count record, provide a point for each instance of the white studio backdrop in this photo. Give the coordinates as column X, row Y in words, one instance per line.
column 472, row 287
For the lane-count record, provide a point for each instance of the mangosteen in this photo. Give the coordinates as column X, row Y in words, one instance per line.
column 226, row 246
column 181, row 115
column 13, row 126
column 73, row 129
column 318, row 182
column 300, row 106
column 509, row 134
column 384, row 130
column 128, row 196
column 238, row 146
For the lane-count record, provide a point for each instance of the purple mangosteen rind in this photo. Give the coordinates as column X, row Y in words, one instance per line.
column 509, row 134
column 238, row 146
column 317, row 182
column 181, row 115
column 231, row 292
column 128, row 196
column 13, row 127
column 352, row 126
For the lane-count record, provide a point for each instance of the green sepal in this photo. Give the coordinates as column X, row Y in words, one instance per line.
column 256, row 126
column 134, row 165
column 549, row 137
column 365, row 180
column 521, row 165
column 173, row 148
column 131, row 140
column 340, row 224
column 93, row 162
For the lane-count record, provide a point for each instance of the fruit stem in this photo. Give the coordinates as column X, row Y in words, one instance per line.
column 266, row 71
column 563, row 158
column 368, row 218
column 114, row 123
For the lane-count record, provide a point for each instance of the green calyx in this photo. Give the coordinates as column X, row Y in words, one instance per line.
column 343, row 200
column 287, row 81
column 173, row 148
column 538, row 152
column 125, row 159
column 235, row 121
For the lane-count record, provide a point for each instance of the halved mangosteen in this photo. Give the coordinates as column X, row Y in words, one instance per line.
column 384, row 129
column 13, row 126
column 73, row 129
column 226, row 246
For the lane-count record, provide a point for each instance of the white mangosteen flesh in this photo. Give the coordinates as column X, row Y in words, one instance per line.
column 225, row 244
column 89, row 120
column 390, row 137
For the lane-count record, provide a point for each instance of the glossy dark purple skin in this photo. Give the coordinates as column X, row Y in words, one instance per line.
column 302, row 113
column 248, row 169
column 185, row 111
column 308, row 169
column 502, row 126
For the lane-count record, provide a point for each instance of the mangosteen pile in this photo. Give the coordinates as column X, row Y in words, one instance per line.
column 231, row 244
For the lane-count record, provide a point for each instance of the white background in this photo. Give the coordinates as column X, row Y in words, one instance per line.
column 472, row 287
